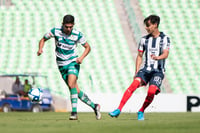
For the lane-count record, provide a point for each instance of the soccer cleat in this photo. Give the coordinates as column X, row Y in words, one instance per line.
column 97, row 111
column 73, row 116
column 140, row 116
column 115, row 113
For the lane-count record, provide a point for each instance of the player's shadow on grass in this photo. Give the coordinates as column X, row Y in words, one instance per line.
column 128, row 116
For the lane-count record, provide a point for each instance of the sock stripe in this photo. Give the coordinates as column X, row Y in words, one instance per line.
column 74, row 105
column 74, row 96
column 74, row 99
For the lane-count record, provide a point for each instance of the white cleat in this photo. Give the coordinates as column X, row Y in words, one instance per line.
column 73, row 116
column 97, row 111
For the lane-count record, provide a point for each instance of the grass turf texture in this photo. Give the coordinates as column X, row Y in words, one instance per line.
column 51, row 122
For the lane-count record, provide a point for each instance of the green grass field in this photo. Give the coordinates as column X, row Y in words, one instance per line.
column 51, row 122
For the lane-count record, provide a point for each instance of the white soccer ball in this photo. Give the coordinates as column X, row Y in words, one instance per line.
column 35, row 94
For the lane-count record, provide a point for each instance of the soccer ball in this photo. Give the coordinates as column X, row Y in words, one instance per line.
column 35, row 94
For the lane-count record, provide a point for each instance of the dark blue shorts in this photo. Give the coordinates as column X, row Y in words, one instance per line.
column 151, row 77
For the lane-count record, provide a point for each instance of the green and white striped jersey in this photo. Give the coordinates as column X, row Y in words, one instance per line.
column 65, row 44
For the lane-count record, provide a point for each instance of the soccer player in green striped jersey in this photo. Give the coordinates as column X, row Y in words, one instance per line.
column 66, row 39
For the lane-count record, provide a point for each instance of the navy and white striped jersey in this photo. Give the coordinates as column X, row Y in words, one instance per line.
column 154, row 46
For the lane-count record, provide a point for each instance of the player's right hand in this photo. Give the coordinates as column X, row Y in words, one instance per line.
column 39, row 52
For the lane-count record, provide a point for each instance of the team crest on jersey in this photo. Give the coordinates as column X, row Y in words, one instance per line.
column 73, row 37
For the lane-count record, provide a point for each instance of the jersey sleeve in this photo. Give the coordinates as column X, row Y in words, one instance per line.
column 50, row 34
column 166, row 43
column 141, row 45
column 81, row 39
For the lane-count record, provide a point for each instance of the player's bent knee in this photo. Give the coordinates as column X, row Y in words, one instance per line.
column 71, row 85
column 153, row 89
column 138, row 79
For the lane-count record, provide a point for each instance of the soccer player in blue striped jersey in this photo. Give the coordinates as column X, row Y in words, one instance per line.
column 66, row 39
column 155, row 48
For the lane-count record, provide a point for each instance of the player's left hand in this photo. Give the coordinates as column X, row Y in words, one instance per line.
column 154, row 57
column 79, row 60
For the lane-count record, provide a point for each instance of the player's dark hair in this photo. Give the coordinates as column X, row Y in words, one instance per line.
column 154, row 19
column 68, row 19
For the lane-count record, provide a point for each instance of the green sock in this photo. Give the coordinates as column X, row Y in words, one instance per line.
column 74, row 99
column 84, row 98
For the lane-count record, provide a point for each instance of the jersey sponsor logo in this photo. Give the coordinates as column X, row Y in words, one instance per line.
column 64, row 46
column 153, row 49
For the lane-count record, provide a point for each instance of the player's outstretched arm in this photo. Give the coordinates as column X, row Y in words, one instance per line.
column 41, row 45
